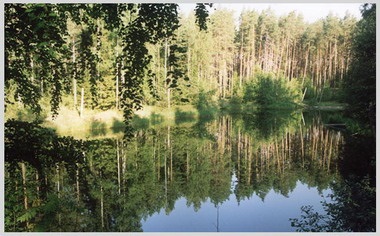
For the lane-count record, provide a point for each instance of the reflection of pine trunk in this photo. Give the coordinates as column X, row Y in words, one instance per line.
column 302, row 145
column 166, row 182
column 325, row 141
column 23, row 171
column 290, row 147
column 58, row 192
column 102, row 206
column 330, row 153
column 77, row 182
column 249, row 162
column 171, row 163
column 277, row 154
column 38, row 186
column 118, row 166
column 166, row 166
column 170, row 149
column 158, row 163
column 58, row 182
column 124, row 164
column 315, row 145
column 238, row 152
column 187, row 165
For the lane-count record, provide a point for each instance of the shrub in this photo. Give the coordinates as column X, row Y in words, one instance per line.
column 267, row 91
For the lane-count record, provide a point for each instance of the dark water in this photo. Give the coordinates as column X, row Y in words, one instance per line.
column 258, row 172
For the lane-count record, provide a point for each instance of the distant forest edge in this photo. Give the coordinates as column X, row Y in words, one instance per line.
column 124, row 56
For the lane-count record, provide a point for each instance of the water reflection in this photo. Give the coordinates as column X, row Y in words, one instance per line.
column 352, row 205
column 117, row 185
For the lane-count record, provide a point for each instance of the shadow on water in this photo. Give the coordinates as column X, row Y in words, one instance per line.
column 139, row 123
column 156, row 119
column 184, row 116
column 206, row 106
column 117, row 126
column 98, row 128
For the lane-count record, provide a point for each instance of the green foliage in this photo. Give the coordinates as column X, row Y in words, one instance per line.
column 155, row 22
column 311, row 221
column 352, row 205
column 360, row 84
column 233, row 106
column 35, row 51
column 42, row 60
column 39, row 149
column 269, row 92
column 202, row 15
column 351, row 209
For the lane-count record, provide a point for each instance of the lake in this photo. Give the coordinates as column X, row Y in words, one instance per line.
column 259, row 172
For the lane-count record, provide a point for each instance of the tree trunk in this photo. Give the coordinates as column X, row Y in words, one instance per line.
column 117, row 75
column 166, row 72
column 189, row 62
column 82, row 103
column 118, row 166
column 241, row 61
column 74, row 75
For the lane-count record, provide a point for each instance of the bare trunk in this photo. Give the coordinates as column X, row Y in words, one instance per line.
column 118, row 166
column 241, row 61
column 82, row 103
column 74, row 75
column 117, row 75
column 166, row 72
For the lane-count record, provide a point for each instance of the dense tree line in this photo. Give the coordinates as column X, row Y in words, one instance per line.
column 226, row 56
column 357, row 164
column 103, row 56
column 286, row 45
column 360, row 83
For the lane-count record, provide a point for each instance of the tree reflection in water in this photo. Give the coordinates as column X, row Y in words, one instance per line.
column 353, row 202
column 114, row 184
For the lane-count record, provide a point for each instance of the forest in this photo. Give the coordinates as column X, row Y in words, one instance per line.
column 124, row 56
column 138, row 105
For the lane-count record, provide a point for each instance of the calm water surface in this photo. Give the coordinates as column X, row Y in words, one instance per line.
column 249, row 215
column 241, row 173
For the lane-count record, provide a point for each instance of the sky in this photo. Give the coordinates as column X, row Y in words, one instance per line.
column 310, row 11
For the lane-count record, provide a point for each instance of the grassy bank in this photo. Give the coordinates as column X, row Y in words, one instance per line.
column 96, row 123
column 109, row 123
